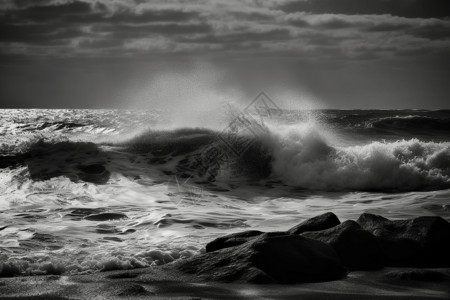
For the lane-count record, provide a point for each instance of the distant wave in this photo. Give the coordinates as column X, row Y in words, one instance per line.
column 412, row 123
column 56, row 125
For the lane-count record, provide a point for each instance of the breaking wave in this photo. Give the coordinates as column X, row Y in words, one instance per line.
column 87, row 191
column 302, row 156
column 305, row 159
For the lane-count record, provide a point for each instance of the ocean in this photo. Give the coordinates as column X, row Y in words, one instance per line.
column 83, row 191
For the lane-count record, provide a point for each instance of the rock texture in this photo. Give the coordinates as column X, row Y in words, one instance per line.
column 419, row 242
column 358, row 249
column 232, row 240
column 322, row 249
column 321, row 222
column 268, row 259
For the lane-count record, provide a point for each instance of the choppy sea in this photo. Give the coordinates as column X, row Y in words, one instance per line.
column 83, row 191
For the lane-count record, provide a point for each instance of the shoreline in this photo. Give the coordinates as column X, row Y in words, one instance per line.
column 320, row 258
column 163, row 283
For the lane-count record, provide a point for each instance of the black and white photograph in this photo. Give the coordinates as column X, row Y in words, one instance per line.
column 224, row 149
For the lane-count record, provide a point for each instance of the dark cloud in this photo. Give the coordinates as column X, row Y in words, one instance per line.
column 48, row 13
column 437, row 31
column 386, row 27
column 277, row 34
column 319, row 27
column 152, row 16
column 42, row 34
column 402, row 8
column 130, row 31
column 83, row 12
column 28, row 3
column 321, row 42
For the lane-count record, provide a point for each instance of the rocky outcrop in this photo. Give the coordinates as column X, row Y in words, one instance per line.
column 268, row 258
column 358, row 249
column 321, row 222
column 322, row 248
column 419, row 242
column 95, row 173
column 232, row 240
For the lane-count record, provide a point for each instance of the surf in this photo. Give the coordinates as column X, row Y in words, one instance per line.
column 301, row 155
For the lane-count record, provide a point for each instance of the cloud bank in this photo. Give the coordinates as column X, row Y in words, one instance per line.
column 310, row 30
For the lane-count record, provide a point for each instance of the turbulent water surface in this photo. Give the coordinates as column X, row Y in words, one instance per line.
column 90, row 190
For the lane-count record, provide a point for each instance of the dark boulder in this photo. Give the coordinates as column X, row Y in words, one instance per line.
column 268, row 259
column 357, row 248
column 321, row 222
column 92, row 169
column 232, row 240
column 12, row 160
column 95, row 173
column 419, row 242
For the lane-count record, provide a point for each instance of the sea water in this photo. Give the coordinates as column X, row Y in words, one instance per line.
column 91, row 190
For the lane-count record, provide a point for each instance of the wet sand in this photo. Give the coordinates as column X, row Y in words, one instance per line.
column 166, row 283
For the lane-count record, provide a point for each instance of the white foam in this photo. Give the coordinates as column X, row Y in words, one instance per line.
column 305, row 157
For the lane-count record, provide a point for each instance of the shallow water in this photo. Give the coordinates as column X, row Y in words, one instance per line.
column 105, row 189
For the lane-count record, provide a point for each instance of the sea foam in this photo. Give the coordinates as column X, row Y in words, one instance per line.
column 305, row 158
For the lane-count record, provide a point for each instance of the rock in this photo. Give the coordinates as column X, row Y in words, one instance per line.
column 321, row 222
column 268, row 259
column 92, row 169
column 7, row 161
column 232, row 240
column 106, row 217
column 358, row 249
column 95, row 173
column 419, row 242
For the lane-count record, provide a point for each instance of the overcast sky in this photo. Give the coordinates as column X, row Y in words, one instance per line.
column 136, row 53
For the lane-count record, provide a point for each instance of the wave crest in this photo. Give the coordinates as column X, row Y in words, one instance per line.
column 412, row 123
column 303, row 156
column 306, row 160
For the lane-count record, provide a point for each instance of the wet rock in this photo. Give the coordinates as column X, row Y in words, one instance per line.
column 95, row 173
column 357, row 248
column 7, row 161
column 93, row 169
column 106, row 217
column 419, row 242
column 232, row 240
column 266, row 259
column 321, row 222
